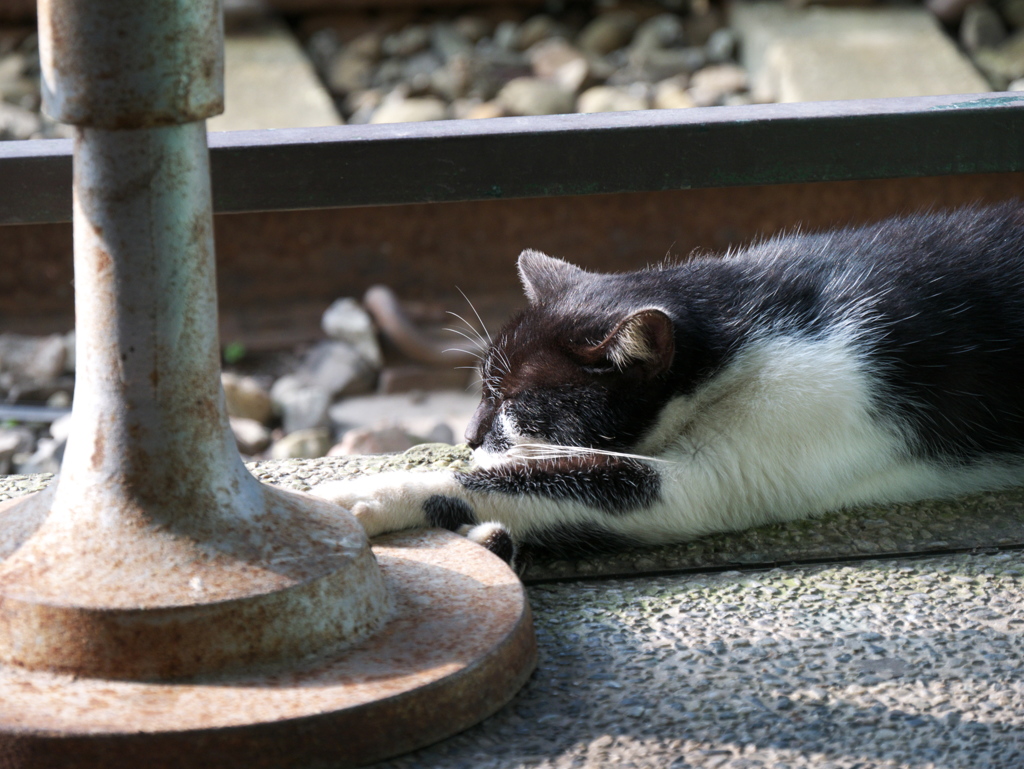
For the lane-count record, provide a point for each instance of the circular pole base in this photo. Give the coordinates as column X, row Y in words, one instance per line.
column 457, row 647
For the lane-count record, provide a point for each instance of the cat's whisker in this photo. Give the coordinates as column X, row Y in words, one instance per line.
column 476, row 355
column 469, row 339
column 482, row 324
column 554, row 451
column 483, row 341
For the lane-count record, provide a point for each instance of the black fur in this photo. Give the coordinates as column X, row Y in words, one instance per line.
column 500, row 543
column 450, row 513
column 610, row 484
column 945, row 296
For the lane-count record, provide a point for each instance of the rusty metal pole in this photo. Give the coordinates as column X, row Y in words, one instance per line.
column 156, row 557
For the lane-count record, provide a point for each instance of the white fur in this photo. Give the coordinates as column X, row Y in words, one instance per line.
column 384, row 502
column 785, row 432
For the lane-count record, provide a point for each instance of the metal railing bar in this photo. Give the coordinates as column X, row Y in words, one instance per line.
column 653, row 150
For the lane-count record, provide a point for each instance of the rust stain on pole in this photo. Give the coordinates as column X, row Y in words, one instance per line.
column 459, row 645
column 155, row 556
column 123, row 64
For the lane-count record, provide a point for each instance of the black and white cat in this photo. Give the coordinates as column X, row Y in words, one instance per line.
column 806, row 373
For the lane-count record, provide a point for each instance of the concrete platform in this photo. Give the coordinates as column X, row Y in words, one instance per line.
column 822, row 53
column 746, row 657
column 270, row 83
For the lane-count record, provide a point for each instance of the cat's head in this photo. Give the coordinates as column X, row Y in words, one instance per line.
column 583, row 366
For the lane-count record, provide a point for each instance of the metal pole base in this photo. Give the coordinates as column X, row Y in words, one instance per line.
column 456, row 647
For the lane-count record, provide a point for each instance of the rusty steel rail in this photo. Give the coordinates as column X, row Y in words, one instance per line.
column 646, row 151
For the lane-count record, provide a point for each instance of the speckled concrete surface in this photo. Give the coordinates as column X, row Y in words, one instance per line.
column 907, row 662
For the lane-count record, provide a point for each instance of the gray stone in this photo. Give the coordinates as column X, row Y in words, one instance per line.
column 13, row 66
column 558, row 60
column 264, row 60
column 23, row 439
column 61, row 399
column 819, row 54
column 657, row 64
column 368, row 45
column 322, row 46
column 506, row 35
column 1004, row 63
column 606, row 98
column 548, row 56
column 360, row 105
column 300, row 404
column 712, row 84
column 981, row 27
column 388, row 73
column 18, row 123
column 473, row 28
column 538, row 28
column 368, row 440
column 478, row 110
column 662, row 31
column 60, row 428
column 350, row 73
column 247, row 398
column 44, row 459
column 573, row 75
column 671, row 93
column 418, row 72
column 13, row 440
column 412, row 110
column 441, row 433
column 448, row 42
column 23, row 92
column 30, row 360
column 533, row 96
column 453, row 80
column 721, row 46
column 609, row 31
column 302, row 444
column 17, row 84
column 492, row 68
column 250, row 436
column 407, row 41
column 338, row 368
column 346, row 321
column 737, row 99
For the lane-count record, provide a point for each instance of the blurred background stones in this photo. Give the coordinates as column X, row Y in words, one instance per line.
column 506, row 61
column 350, row 393
column 311, row 66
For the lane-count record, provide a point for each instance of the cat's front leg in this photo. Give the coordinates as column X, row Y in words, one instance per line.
column 393, row 501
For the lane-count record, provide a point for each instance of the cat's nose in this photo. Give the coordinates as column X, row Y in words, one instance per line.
column 479, row 425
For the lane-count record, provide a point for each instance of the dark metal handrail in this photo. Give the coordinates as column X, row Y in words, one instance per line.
column 568, row 154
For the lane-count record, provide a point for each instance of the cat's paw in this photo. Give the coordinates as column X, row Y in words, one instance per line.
column 495, row 538
column 381, row 502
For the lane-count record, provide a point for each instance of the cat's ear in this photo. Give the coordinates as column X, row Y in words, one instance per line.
column 644, row 341
column 545, row 277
